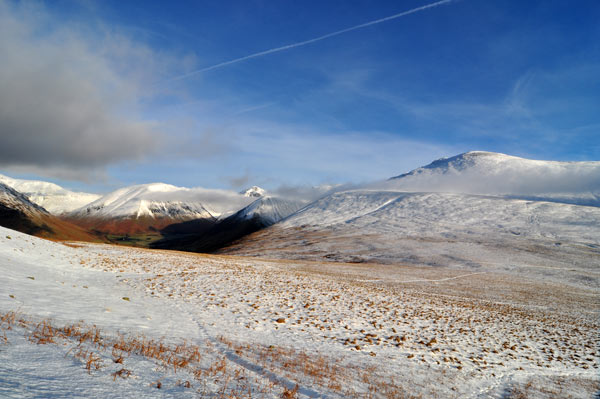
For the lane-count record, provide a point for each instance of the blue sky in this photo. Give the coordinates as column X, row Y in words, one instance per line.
column 516, row 77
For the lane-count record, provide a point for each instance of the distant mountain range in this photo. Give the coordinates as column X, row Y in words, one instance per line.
column 50, row 196
column 473, row 206
column 263, row 212
column 472, row 196
column 17, row 212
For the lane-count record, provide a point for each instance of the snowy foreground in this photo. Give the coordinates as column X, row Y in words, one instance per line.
column 92, row 320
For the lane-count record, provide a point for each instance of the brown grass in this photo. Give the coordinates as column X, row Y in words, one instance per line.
column 90, row 345
column 290, row 393
column 122, row 373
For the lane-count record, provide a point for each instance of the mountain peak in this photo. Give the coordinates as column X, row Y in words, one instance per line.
column 255, row 192
column 490, row 173
column 153, row 200
column 459, row 162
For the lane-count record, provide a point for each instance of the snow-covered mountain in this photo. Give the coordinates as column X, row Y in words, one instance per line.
column 261, row 213
column 269, row 210
column 489, row 173
column 150, row 208
column 447, row 214
column 255, row 192
column 12, row 199
column 467, row 208
column 52, row 197
column 156, row 200
column 429, row 228
column 17, row 212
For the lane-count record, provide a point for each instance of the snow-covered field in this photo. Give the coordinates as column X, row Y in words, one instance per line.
column 123, row 322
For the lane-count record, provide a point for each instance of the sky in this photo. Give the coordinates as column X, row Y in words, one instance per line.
column 96, row 95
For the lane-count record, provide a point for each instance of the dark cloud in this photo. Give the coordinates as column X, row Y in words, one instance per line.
column 239, row 181
column 64, row 107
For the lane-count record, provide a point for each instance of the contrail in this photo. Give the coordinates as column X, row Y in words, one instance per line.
column 305, row 42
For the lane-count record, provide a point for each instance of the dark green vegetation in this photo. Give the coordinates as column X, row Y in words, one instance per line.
column 134, row 240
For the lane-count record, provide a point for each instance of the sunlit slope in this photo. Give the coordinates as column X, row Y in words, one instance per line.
column 19, row 213
column 432, row 228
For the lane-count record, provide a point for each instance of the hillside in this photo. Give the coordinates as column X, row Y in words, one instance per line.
column 136, row 215
column 52, row 197
column 522, row 211
column 17, row 212
column 261, row 213
column 81, row 320
column 460, row 230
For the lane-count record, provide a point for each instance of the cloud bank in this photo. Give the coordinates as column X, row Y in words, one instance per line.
column 65, row 108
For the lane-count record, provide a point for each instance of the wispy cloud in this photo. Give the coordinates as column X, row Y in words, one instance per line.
column 239, row 182
column 533, row 113
column 310, row 41
column 307, row 154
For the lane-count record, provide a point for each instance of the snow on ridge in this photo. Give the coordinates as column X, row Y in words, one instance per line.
column 50, row 196
column 164, row 200
column 489, row 173
column 255, row 192
column 16, row 200
column 271, row 209
column 425, row 214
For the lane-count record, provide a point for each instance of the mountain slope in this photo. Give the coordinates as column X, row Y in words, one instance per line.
column 269, row 210
column 52, row 197
column 463, row 210
column 17, row 212
column 142, row 214
column 152, row 200
column 138, row 210
column 461, row 230
column 491, row 173
column 261, row 213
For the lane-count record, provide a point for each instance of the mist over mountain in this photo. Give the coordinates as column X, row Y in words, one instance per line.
column 489, row 173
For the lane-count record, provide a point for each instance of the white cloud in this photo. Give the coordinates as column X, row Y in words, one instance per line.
column 70, row 95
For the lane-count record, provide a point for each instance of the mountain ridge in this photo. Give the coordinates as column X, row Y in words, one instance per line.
column 17, row 212
column 263, row 212
column 52, row 197
column 489, row 173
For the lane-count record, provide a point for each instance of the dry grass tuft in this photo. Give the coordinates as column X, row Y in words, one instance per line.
column 290, row 393
column 123, row 373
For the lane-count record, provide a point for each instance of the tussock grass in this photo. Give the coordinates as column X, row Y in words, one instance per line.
column 217, row 374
